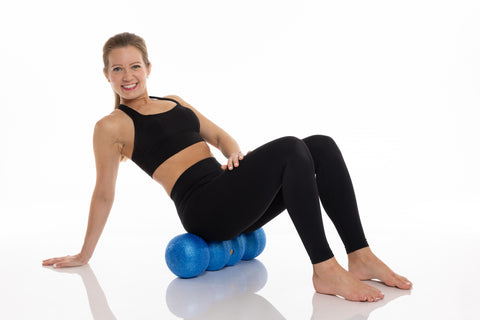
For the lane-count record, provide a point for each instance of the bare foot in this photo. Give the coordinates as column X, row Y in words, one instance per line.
column 366, row 266
column 330, row 278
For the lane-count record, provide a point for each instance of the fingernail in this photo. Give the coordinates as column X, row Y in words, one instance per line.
column 54, row 265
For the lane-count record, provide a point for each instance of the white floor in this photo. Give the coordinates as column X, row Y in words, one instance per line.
column 128, row 278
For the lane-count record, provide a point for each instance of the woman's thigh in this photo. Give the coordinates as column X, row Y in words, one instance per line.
column 237, row 200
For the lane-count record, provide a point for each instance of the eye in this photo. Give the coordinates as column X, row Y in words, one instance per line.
column 116, row 69
column 137, row 66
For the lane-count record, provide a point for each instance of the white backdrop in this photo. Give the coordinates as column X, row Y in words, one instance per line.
column 394, row 82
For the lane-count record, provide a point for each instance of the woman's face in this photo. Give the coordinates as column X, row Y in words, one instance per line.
column 127, row 72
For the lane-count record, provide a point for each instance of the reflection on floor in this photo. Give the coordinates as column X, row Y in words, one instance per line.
column 334, row 308
column 231, row 291
column 96, row 297
column 219, row 294
column 213, row 295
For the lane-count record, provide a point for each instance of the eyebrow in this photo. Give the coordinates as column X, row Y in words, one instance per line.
column 119, row 65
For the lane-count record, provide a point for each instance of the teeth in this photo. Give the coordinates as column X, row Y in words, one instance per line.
column 130, row 86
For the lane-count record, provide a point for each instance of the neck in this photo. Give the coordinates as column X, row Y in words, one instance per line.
column 136, row 102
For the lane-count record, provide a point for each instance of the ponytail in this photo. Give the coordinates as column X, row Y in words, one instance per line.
column 117, row 100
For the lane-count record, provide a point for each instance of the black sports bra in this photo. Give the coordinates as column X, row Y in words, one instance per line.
column 159, row 136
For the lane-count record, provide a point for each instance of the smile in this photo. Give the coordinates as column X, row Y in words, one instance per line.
column 130, row 86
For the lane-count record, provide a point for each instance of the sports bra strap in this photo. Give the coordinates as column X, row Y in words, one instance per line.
column 159, row 98
column 134, row 114
column 129, row 111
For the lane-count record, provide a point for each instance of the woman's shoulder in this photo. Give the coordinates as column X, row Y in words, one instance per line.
column 172, row 96
column 112, row 123
column 181, row 101
column 176, row 98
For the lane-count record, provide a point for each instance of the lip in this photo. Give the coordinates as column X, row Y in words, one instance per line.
column 130, row 87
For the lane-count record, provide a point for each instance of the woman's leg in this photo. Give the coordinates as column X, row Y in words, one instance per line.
column 237, row 199
column 276, row 174
column 335, row 190
column 338, row 198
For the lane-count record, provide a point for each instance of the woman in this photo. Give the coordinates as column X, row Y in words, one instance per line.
column 168, row 138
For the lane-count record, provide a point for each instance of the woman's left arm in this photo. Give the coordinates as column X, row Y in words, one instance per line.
column 217, row 137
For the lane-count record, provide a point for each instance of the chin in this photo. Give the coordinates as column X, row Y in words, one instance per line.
column 131, row 95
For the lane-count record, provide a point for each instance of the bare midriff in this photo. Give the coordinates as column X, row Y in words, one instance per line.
column 169, row 171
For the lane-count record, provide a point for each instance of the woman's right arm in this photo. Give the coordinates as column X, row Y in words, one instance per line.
column 107, row 158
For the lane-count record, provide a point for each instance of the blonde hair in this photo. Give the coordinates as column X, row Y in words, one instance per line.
column 122, row 40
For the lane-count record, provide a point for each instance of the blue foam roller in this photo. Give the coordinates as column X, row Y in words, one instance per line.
column 187, row 255
column 254, row 244
column 237, row 251
column 219, row 254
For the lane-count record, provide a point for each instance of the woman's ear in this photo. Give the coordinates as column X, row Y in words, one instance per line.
column 149, row 69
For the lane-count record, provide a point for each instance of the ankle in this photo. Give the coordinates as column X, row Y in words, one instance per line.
column 325, row 266
column 360, row 255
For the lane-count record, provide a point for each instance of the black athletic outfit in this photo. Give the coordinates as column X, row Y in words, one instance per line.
column 287, row 173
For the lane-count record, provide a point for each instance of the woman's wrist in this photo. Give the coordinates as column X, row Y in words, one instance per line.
column 84, row 257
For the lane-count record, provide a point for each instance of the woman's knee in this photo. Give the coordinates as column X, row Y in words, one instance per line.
column 322, row 145
column 294, row 147
column 298, row 155
column 283, row 151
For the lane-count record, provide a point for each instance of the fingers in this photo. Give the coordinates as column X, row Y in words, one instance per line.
column 234, row 161
column 51, row 261
column 62, row 262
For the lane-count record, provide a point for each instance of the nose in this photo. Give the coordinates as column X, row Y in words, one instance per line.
column 127, row 75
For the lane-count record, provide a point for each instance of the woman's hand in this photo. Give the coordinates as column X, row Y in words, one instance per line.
column 234, row 161
column 67, row 261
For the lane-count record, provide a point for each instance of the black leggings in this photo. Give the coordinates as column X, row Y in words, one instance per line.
column 287, row 173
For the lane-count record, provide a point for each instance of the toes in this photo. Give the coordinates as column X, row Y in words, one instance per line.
column 378, row 296
column 405, row 284
column 399, row 282
column 368, row 296
column 371, row 298
column 375, row 296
